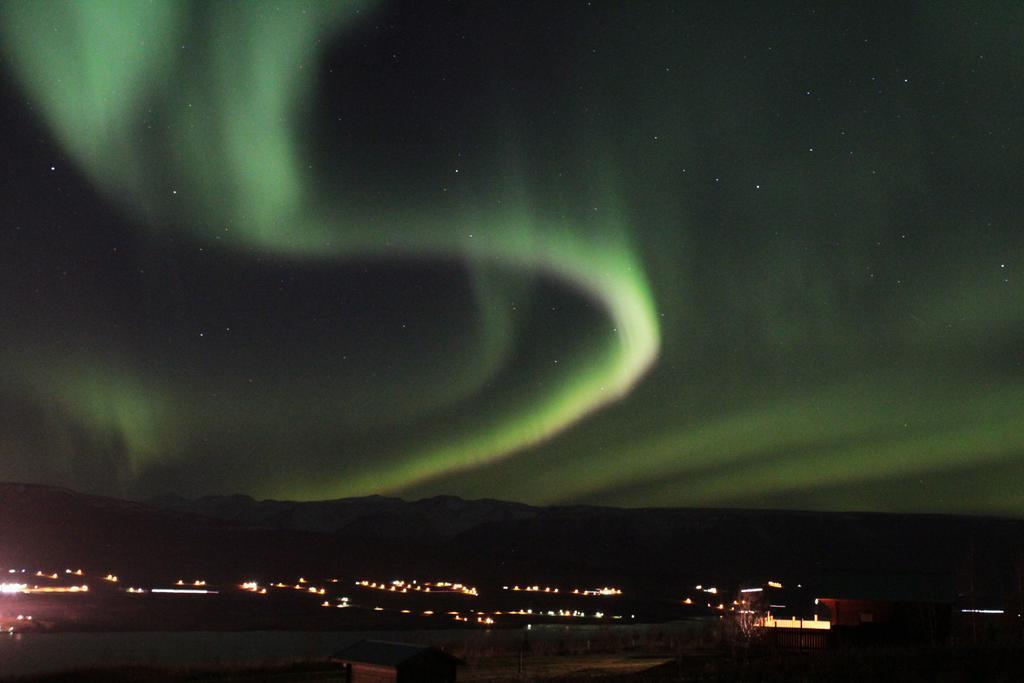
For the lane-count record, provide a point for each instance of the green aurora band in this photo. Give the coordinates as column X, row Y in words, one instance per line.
column 697, row 255
column 91, row 68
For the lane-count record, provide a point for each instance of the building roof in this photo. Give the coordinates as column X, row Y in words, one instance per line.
column 386, row 653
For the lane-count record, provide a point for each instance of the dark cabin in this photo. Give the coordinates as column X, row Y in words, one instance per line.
column 378, row 661
column 888, row 606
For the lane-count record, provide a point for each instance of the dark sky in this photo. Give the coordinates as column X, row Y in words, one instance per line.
column 631, row 253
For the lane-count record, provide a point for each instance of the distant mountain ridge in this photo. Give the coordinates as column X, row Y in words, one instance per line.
column 659, row 543
column 443, row 516
column 650, row 550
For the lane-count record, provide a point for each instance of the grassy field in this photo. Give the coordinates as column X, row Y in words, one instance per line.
column 897, row 664
column 299, row 672
column 480, row 670
column 502, row 669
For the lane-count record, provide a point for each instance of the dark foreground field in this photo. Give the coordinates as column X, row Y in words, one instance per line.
column 897, row 664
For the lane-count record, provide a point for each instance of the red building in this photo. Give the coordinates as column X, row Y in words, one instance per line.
column 901, row 606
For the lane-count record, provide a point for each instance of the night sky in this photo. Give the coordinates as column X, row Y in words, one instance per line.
column 628, row 253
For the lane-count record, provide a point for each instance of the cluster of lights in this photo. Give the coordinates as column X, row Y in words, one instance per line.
column 342, row 604
column 199, row 586
column 575, row 613
column 57, row 589
column 21, row 618
column 47, row 575
column 302, row 585
column 253, row 587
column 22, row 587
column 485, row 620
column 741, row 606
column 606, row 590
column 713, row 590
column 401, row 586
column 481, row 619
column 758, row 589
column 769, row 621
column 10, row 588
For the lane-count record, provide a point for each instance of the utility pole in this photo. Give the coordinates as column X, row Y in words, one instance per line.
column 974, row 596
column 1020, row 591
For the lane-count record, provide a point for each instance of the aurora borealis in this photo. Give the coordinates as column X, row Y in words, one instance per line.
column 624, row 253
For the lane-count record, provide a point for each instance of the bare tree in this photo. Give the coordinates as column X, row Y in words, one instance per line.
column 744, row 625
